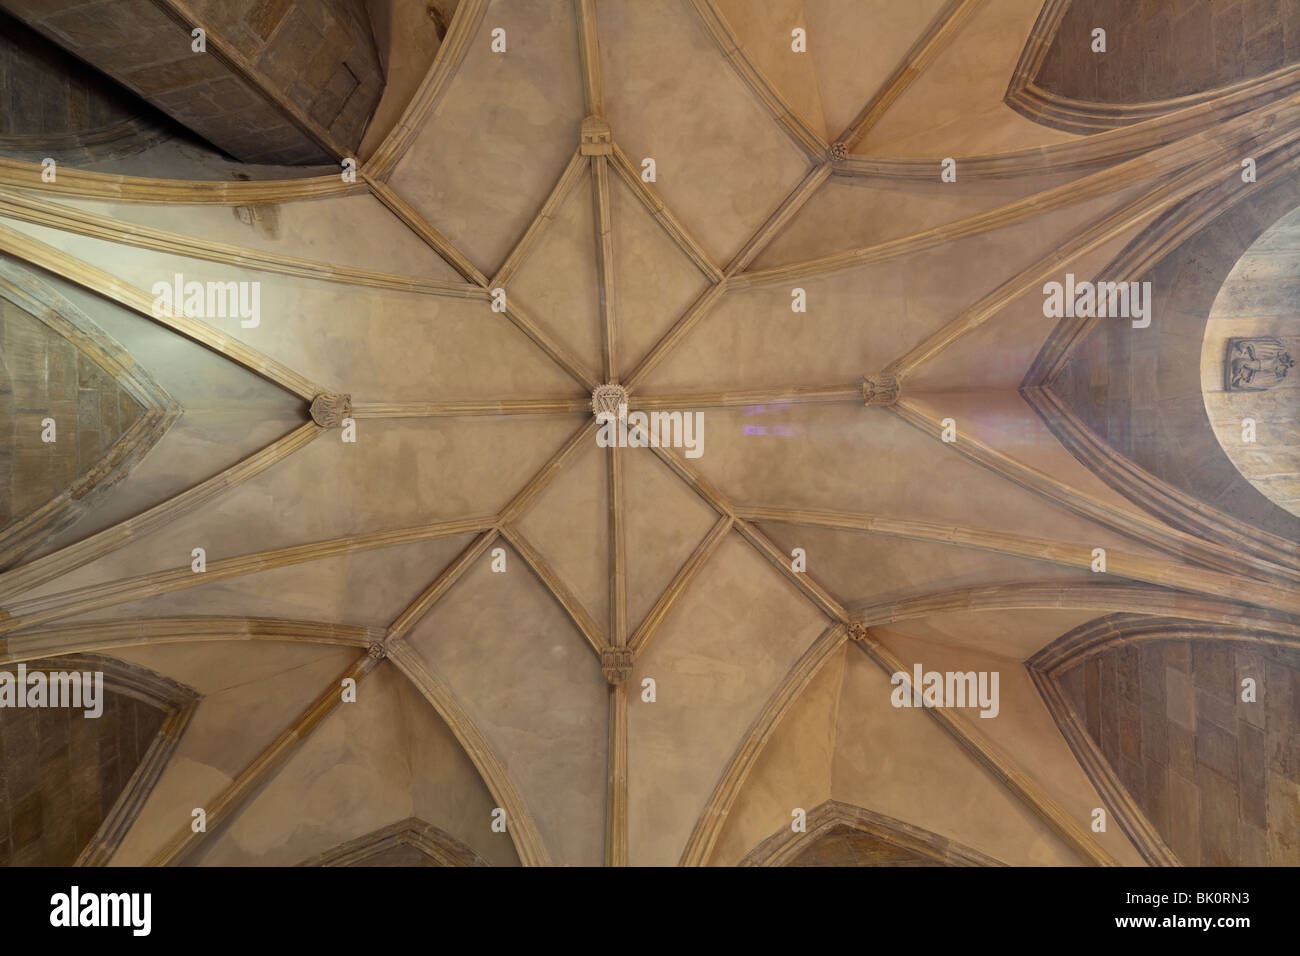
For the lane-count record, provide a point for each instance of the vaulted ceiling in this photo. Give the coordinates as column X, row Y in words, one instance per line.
column 395, row 477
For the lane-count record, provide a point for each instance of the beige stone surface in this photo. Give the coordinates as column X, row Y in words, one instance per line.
column 715, row 661
column 654, row 281
column 898, row 761
column 659, row 539
column 330, row 489
column 356, row 231
column 558, row 279
column 516, row 114
column 249, row 698
column 722, row 170
column 512, row 660
column 569, row 525
column 956, row 108
column 792, row 772
column 539, row 700
column 1022, row 726
column 380, row 760
column 368, row 588
column 408, row 36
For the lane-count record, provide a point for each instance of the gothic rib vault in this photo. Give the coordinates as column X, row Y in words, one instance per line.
column 373, row 560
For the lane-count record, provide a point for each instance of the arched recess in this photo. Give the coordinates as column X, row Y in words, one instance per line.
column 54, row 105
column 108, row 411
column 1158, row 59
column 840, row 834
column 409, row 842
column 830, row 732
column 1127, row 401
column 1252, row 400
column 381, row 758
column 73, row 642
column 1187, row 730
column 61, row 800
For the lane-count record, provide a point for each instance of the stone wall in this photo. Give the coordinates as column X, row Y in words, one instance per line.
column 60, row 773
column 1160, row 49
column 1219, row 778
column 1259, row 299
column 52, row 104
column 281, row 82
column 45, row 376
column 846, row 846
column 1140, row 390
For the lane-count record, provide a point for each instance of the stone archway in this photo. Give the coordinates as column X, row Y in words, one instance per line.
column 1254, row 328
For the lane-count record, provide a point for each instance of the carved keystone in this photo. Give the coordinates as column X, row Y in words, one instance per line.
column 1254, row 364
column 609, row 398
column 329, row 410
column 616, row 664
column 839, row 152
column 879, row 390
column 597, row 140
column 857, row 631
column 377, row 650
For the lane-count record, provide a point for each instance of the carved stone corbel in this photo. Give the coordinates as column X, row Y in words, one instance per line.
column 879, row 390
column 609, row 399
column 597, row 139
column 1255, row 364
column 328, row 409
column 616, row 664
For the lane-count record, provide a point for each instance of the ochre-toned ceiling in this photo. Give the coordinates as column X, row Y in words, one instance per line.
column 501, row 588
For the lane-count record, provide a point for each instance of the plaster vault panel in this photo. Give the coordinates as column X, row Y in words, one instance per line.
column 439, row 604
